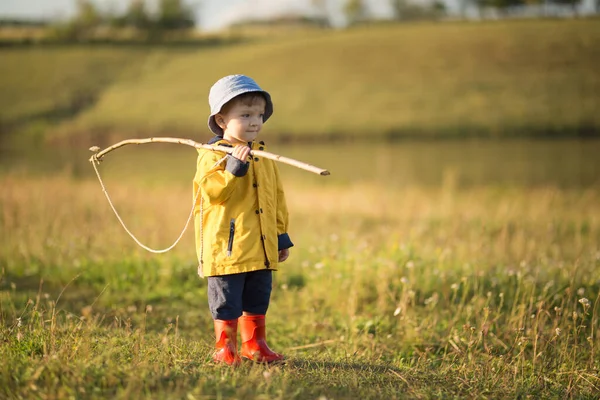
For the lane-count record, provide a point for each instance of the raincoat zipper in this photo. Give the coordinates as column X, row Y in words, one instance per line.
column 231, row 234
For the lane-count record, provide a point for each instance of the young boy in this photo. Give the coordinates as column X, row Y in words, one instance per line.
column 241, row 220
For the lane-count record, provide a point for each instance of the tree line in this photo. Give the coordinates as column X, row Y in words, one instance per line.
column 176, row 15
column 89, row 20
column 357, row 11
column 139, row 20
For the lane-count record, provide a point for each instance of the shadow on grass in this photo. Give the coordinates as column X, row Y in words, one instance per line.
column 305, row 366
column 341, row 379
column 335, row 379
column 331, row 366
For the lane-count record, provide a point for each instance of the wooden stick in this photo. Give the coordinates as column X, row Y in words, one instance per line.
column 260, row 153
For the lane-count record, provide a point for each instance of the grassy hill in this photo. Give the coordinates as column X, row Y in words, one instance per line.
column 430, row 80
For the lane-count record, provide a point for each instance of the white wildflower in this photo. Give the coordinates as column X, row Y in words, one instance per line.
column 585, row 302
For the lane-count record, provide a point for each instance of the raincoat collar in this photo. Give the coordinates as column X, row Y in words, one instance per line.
column 216, row 139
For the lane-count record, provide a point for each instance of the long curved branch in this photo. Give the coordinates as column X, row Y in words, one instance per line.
column 97, row 157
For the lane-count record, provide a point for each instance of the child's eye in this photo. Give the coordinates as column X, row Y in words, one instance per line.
column 245, row 115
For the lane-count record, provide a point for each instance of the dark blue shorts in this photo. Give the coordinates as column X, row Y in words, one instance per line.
column 230, row 295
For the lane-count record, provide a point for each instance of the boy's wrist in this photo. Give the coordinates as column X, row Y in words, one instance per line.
column 236, row 166
column 284, row 242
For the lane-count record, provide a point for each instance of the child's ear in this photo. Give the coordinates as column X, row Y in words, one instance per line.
column 220, row 121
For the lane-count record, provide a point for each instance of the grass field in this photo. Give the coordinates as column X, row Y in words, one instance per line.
column 442, row 80
column 484, row 292
column 422, row 269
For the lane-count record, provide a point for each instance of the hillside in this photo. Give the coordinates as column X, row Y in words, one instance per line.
column 522, row 78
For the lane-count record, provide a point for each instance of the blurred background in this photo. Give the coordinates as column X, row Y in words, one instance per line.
column 480, row 91
column 462, row 211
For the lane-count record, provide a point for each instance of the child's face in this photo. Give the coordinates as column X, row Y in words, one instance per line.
column 242, row 121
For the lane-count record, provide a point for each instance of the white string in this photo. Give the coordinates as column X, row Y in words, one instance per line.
column 94, row 161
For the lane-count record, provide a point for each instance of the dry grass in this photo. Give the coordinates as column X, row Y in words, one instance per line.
column 481, row 292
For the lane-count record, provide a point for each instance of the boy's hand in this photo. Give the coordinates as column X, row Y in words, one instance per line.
column 241, row 153
column 284, row 254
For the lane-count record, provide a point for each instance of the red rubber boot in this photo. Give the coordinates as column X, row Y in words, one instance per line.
column 226, row 345
column 254, row 345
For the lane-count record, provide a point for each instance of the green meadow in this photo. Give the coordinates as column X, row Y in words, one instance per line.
column 421, row 269
column 514, row 78
column 412, row 292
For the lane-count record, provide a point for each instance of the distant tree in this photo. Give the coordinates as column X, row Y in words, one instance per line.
column 174, row 14
column 136, row 15
column 571, row 3
column 504, row 4
column 501, row 6
column 87, row 15
column 533, row 2
column 355, row 10
column 321, row 7
column 538, row 4
column 398, row 6
column 23, row 22
column 438, row 8
column 89, row 23
column 405, row 10
column 87, row 18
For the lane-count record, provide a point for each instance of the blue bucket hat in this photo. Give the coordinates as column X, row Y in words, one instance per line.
column 226, row 89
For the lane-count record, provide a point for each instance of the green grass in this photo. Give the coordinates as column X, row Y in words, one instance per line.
column 421, row 293
column 43, row 81
column 500, row 79
column 438, row 284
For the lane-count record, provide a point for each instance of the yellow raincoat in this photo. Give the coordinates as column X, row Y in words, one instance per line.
column 241, row 222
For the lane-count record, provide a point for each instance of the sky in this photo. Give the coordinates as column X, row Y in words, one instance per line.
column 211, row 14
